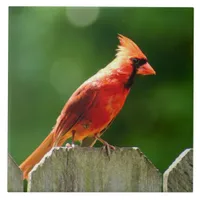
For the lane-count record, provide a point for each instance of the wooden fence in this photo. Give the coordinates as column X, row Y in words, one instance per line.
column 91, row 170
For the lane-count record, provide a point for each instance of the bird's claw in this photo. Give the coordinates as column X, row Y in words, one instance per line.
column 70, row 146
column 107, row 147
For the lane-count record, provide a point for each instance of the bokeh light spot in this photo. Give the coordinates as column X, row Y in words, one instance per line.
column 82, row 17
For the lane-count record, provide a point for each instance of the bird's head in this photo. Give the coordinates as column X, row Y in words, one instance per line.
column 132, row 55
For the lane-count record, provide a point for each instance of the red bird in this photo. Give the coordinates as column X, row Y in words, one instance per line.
column 96, row 103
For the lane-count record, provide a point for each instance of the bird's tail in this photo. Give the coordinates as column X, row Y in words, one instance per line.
column 37, row 155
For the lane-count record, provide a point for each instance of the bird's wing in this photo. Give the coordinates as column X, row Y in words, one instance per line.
column 75, row 109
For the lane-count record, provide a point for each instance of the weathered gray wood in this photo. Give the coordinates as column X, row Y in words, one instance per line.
column 15, row 180
column 179, row 176
column 91, row 170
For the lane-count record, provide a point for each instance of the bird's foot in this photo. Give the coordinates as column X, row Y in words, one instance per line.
column 110, row 146
column 70, row 146
column 107, row 147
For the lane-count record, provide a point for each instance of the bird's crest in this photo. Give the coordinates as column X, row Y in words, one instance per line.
column 128, row 48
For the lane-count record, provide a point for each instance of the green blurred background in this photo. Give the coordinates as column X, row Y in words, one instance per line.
column 52, row 50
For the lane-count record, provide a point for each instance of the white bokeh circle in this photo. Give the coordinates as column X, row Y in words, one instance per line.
column 82, row 17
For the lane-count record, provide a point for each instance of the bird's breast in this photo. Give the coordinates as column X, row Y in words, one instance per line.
column 109, row 102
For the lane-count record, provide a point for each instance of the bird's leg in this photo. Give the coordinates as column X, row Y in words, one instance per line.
column 106, row 145
column 73, row 135
column 71, row 145
column 104, row 142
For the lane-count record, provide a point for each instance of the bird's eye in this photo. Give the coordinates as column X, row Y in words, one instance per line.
column 136, row 60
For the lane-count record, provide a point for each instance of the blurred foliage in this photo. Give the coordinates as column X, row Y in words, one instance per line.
column 52, row 50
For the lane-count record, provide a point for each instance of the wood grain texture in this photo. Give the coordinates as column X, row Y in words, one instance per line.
column 179, row 176
column 15, row 179
column 91, row 170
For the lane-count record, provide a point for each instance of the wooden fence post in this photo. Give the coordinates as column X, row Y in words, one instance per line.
column 91, row 170
column 179, row 176
column 15, row 180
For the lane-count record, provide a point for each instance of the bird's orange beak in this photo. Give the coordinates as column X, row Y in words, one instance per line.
column 146, row 69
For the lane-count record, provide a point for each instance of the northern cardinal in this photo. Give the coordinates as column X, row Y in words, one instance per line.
column 96, row 103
